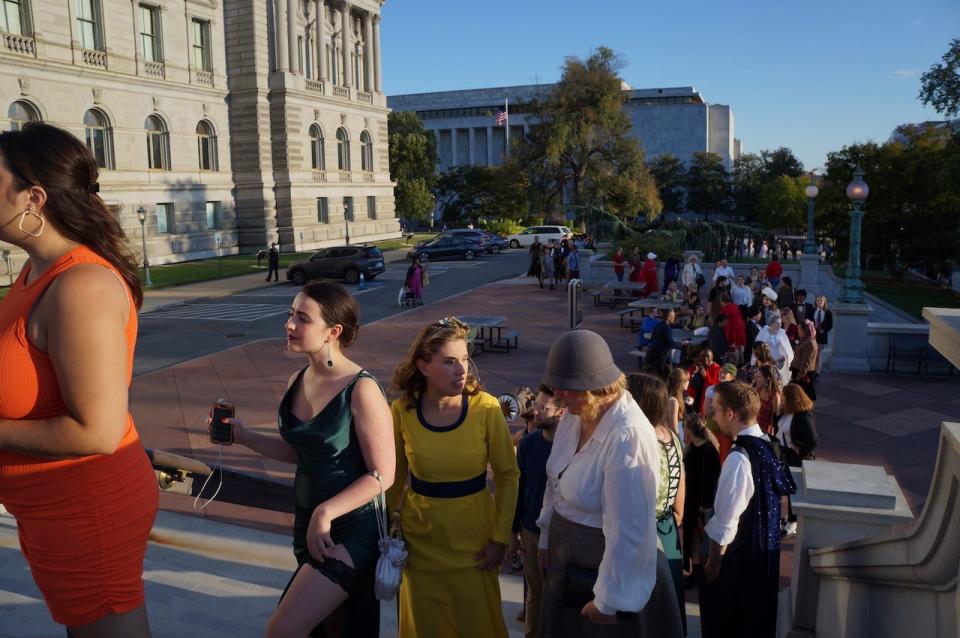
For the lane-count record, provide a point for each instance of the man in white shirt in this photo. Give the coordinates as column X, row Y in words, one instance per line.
column 741, row 294
column 743, row 569
column 724, row 270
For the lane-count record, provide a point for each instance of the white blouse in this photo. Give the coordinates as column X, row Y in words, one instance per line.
column 610, row 484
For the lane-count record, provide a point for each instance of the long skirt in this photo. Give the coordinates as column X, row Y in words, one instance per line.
column 575, row 544
column 463, row 603
column 670, row 539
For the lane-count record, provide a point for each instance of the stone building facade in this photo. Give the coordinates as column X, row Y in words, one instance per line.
column 216, row 118
column 677, row 121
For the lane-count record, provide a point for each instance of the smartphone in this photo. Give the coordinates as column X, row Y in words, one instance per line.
column 221, row 432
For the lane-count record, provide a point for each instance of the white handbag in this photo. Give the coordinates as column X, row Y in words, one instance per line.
column 393, row 552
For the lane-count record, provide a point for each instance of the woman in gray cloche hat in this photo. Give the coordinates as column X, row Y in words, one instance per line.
column 598, row 535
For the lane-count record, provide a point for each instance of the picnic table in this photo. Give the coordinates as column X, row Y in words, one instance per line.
column 613, row 292
column 659, row 304
column 486, row 333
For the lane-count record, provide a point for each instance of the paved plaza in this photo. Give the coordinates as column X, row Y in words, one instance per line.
column 219, row 572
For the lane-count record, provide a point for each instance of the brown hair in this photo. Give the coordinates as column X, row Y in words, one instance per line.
column 337, row 306
column 739, row 397
column 408, row 379
column 771, row 376
column 53, row 159
column 650, row 393
column 678, row 376
column 762, row 352
column 695, row 425
column 557, row 401
column 795, row 399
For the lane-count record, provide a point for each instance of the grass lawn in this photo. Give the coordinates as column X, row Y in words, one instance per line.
column 189, row 272
column 910, row 295
column 401, row 242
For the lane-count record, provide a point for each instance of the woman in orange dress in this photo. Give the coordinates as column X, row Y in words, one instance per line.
column 72, row 469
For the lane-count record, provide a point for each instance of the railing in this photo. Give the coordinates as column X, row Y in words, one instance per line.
column 94, row 58
column 315, row 86
column 342, row 91
column 367, row 176
column 363, row 96
column 204, row 78
column 153, row 69
column 346, row 176
column 319, row 175
column 19, row 44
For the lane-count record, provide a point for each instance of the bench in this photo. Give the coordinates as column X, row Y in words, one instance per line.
column 906, row 348
column 503, row 342
column 626, row 312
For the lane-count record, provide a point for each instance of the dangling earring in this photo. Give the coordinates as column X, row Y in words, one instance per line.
column 33, row 233
column 329, row 356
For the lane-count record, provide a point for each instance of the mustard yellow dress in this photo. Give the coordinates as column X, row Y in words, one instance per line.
column 448, row 514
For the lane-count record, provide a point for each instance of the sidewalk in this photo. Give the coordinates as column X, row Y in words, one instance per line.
column 212, row 288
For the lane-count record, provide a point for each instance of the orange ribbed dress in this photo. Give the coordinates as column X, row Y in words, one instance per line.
column 83, row 522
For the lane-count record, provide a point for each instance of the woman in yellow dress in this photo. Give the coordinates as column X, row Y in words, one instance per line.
column 447, row 432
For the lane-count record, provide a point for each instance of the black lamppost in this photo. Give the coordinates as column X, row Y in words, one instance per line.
column 857, row 192
column 810, row 245
column 142, row 216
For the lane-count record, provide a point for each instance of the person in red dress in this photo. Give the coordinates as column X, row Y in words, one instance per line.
column 736, row 329
column 648, row 275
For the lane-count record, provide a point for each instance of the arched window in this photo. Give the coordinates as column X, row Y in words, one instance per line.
column 20, row 113
column 343, row 149
column 317, row 161
column 99, row 137
column 206, row 146
column 158, row 157
column 366, row 152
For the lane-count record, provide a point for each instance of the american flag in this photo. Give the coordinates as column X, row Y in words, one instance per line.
column 501, row 117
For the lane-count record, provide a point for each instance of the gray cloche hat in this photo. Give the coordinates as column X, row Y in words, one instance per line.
column 580, row 360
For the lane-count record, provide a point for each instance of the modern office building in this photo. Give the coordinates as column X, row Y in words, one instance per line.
column 247, row 121
column 677, row 121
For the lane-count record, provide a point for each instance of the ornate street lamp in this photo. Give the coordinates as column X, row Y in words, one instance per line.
column 810, row 245
column 142, row 216
column 857, row 192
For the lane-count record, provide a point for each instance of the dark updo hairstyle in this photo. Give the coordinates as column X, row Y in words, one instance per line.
column 53, row 159
column 337, row 306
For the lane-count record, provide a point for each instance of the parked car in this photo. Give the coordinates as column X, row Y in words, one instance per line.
column 339, row 262
column 496, row 243
column 470, row 234
column 545, row 233
column 446, row 247
column 492, row 242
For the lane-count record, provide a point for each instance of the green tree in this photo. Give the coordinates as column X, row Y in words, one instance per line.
column 671, row 177
column 782, row 204
column 708, row 185
column 581, row 144
column 413, row 165
column 747, row 178
column 779, row 162
column 470, row 193
column 940, row 86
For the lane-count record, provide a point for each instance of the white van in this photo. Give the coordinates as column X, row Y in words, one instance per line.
column 544, row 233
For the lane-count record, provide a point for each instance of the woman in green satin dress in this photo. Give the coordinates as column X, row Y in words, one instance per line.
column 335, row 425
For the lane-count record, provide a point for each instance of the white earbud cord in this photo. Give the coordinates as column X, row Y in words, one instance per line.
column 218, row 467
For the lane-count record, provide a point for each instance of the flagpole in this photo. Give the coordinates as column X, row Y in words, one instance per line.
column 506, row 109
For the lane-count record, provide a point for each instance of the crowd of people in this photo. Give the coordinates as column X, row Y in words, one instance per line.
column 624, row 490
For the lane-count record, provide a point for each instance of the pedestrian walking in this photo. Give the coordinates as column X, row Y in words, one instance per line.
column 618, row 261
column 547, row 271
column 273, row 262
column 573, row 263
column 72, row 468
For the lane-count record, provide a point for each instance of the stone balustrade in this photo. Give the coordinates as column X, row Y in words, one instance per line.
column 319, row 176
column 364, row 96
column 342, row 91
column 203, row 78
column 19, row 44
column 346, row 176
column 94, row 58
column 315, row 86
column 154, row 69
column 368, row 176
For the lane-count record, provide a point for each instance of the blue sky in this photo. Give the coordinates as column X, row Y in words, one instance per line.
column 812, row 76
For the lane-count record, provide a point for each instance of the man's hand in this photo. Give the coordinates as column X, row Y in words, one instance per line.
column 491, row 556
column 590, row 612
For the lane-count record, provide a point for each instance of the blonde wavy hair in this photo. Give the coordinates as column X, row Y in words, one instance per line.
column 600, row 395
column 407, row 378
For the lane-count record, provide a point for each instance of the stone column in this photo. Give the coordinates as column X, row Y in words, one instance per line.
column 377, row 75
column 472, row 137
column 282, row 48
column 849, row 343
column 321, row 56
column 453, row 147
column 368, row 52
column 489, row 146
column 345, row 28
column 292, row 36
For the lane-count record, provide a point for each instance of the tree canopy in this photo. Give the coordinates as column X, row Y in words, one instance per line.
column 413, row 165
column 670, row 175
column 708, row 185
column 940, row 86
column 782, row 204
column 581, row 146
column 468, row 193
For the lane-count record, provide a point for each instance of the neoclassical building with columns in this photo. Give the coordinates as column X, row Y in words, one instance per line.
column 247, row 121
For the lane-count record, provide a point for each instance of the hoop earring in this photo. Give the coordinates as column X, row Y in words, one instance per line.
column 329, row 356
column 32, row 233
